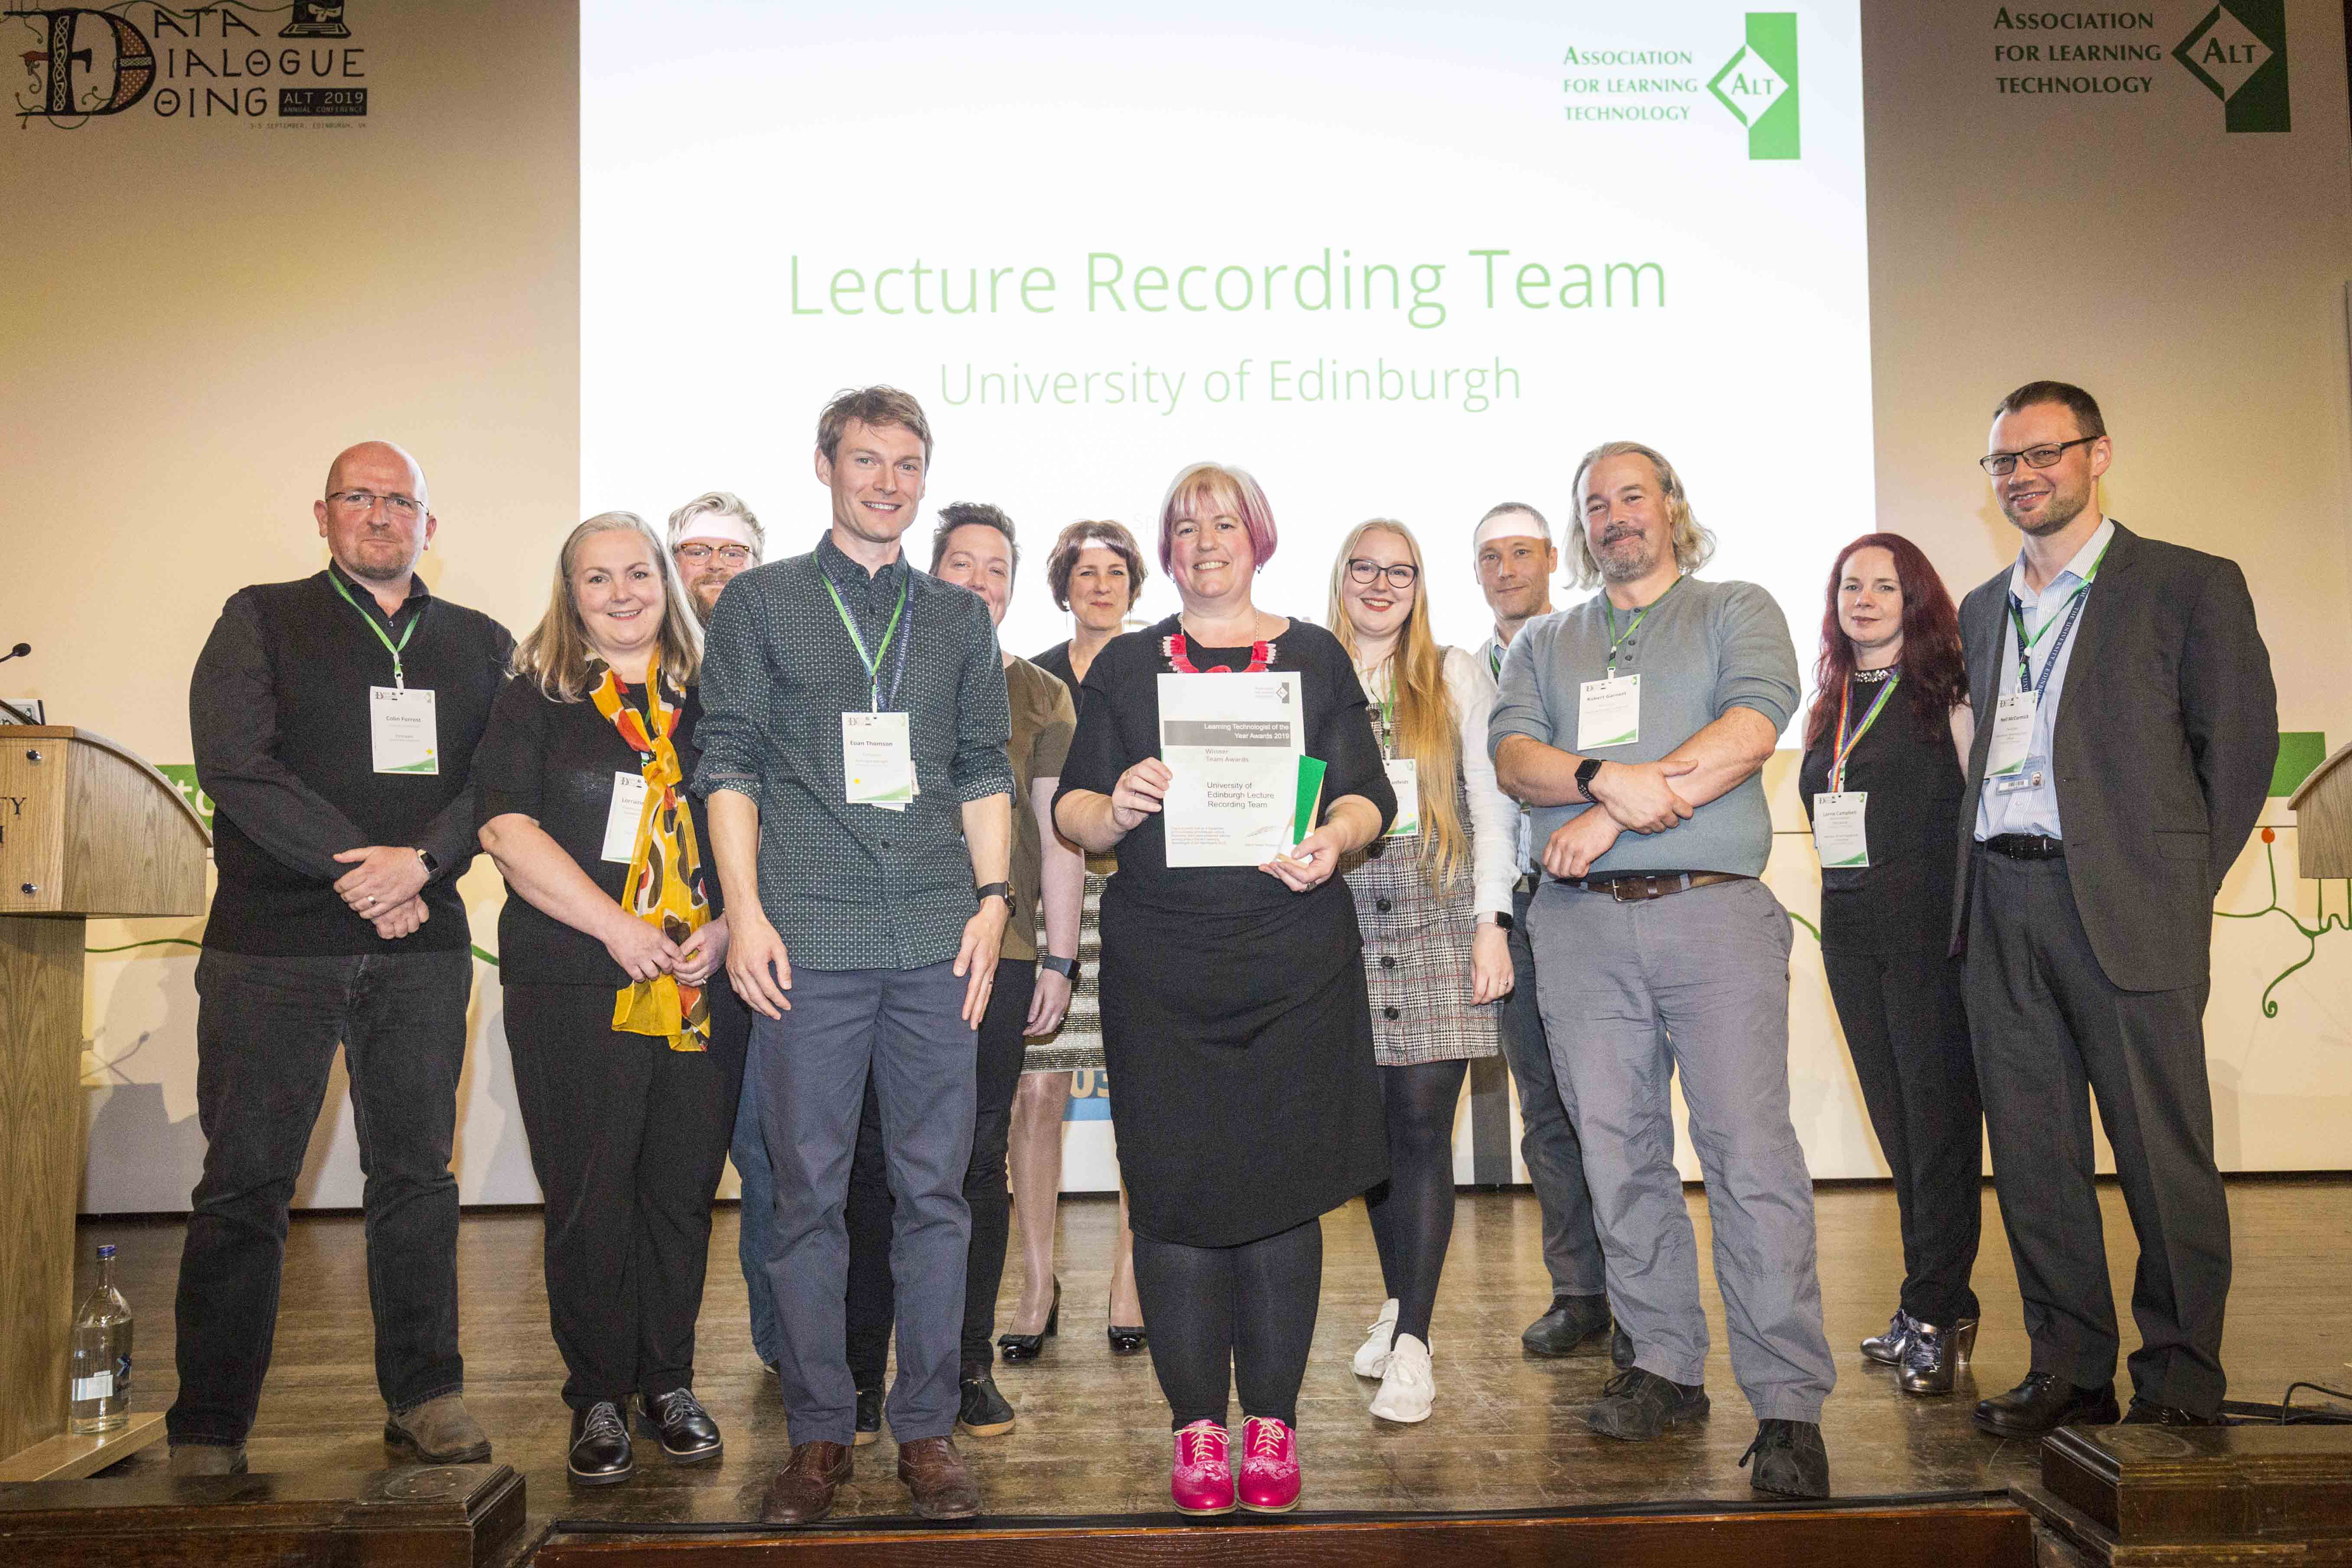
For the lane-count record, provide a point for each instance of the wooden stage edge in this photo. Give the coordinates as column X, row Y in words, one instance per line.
column 1963, row 1532
column 67, row 1457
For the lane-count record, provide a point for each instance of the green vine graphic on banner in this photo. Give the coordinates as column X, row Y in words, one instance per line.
column 2311, row 934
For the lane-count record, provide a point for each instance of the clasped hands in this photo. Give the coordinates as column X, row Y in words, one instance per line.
column 383, row 888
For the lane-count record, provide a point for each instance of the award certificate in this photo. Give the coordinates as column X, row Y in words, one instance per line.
column 1233, row 743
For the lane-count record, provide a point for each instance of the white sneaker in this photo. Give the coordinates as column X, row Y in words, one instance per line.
column 1372, row 1357
column 1407, row 1387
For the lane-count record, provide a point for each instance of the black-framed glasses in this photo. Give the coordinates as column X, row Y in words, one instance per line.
column 732, row 554
column 1401, row 576
column 361, row 502
column 1999, row 463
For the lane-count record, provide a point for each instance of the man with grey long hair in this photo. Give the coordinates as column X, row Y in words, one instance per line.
column 712, row 538
column 1651, row 707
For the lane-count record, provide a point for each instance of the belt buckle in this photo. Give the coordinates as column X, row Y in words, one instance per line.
column 1617, row 890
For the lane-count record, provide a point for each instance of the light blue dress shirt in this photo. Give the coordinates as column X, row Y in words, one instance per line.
column 2033, row 806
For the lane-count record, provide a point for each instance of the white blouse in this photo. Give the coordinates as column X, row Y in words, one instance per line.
column 1494, row 816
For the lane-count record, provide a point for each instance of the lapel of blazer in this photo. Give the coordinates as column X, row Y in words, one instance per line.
column 2101, row 610
column 1981, row 634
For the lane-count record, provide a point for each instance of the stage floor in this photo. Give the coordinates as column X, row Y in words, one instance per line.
column 1093, row 1438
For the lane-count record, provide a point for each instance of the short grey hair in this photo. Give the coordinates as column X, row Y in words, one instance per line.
column 1694, row 543
column 716, row 503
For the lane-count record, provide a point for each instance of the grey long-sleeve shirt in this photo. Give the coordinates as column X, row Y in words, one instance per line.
column 1703, row 649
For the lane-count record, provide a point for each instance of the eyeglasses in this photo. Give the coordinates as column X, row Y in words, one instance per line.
column 1999, row 463
column 696, row 554
column 361, row 502
column 1401, row 576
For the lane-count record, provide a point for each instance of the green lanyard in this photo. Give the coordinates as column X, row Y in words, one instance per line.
column 1844, row 747
column 1609, row 610
column 1495, row 659
column 2074, row 609
column 872, row 661
column 399, row 678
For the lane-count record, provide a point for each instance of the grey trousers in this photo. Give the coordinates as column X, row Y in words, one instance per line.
column 2051, row 1031
column 1571, row 1247
column 1696, row 984
column 905, row 1026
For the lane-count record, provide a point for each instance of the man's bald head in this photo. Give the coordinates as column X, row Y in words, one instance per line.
column 377, row 455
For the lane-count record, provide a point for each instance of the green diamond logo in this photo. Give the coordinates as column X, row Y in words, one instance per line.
column 1759, row 85
column 2238, row 52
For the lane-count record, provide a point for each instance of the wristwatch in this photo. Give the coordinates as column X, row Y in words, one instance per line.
column 996, row 890
column 1067, row 968
column 1584, row 771
column 1502, row 919
column 432, row 867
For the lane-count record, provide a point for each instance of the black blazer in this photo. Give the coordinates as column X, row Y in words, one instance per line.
column 2166, row 738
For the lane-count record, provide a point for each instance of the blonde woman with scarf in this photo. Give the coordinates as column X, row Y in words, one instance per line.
column 627, row 1044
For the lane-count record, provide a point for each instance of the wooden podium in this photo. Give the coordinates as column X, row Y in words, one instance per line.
column 86, row 828
column 2323, row 819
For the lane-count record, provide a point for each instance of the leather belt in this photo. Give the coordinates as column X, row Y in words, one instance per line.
column 2025, row 846
column 1639, row 887
column 1529, row 882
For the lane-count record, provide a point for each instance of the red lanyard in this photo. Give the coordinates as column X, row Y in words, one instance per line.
column 1261, row 658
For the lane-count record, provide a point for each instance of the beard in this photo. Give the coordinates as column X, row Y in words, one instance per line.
column 704, row 595
column 1626, row 557
column 379, row 570
column 2059, row 511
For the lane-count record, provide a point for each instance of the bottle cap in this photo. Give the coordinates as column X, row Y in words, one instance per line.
column 106, row 1253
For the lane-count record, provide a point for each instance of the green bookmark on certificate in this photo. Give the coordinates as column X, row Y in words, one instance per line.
column 1310, row 798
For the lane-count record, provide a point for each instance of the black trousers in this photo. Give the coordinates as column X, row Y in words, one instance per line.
column 1907, row 1032
column 627, row 1139
column 2051, row 1032
column 869, row 1310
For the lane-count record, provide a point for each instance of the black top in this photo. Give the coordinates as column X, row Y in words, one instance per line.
column 278, row 713
column 553, row 761
column 1901, row 900
column 854, row 886
column 1055, row 662
column 1118, row 726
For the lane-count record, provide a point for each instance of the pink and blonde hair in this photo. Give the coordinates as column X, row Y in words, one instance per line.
column 1211, row 489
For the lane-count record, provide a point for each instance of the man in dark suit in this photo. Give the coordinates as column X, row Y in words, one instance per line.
column 2121, row 756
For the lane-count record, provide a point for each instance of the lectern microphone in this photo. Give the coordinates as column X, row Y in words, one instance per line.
column 19, row 651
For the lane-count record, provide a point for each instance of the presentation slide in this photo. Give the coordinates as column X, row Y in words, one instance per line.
column 1398, row 261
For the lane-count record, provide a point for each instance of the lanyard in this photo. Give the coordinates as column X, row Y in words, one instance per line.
column 1844, row 746
column 1609, row 610
column 1495, row 658
column 2024, row 644
column 872, row 661
column 399, row 678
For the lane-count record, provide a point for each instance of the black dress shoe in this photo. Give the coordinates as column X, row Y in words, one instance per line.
column 1791, row 1460
column 2043, row 1402
column 1026, row 1347
column 2147, row 1413
column 1571, row 1321
column 600, row 1447
column 1125, row 1342
column 688, row 1434
column 980, row 1410
column 869, row 1416
column 1621, row 1349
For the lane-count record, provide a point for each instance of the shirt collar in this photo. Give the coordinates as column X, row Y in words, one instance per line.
column 836, row 563
column 365, row 595
column 2073, row 572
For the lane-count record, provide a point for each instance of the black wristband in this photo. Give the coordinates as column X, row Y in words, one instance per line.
column 1585, row 770
column 1067, row 968
column 996, row 890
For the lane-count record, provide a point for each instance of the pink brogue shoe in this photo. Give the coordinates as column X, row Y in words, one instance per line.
column 1202, row 1480
column 1269, row 1480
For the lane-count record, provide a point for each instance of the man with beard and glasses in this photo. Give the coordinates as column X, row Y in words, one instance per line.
column 1515, row 557
column 1636, row 724
column 2125, row 730
column 712, row 538
column 335, row 720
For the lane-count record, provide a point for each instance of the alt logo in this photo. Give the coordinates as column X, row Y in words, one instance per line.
column 2239, row 51
column 1759, row 85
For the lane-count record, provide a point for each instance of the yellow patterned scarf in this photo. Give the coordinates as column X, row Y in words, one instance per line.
column 665, row 870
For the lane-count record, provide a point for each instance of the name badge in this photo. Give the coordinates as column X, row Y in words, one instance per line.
column 877, row 759
column 624, row 816
column 1840, row 837
column 405, row 735
column 2012, row 734
column 1609, row 712
column 1405, row 777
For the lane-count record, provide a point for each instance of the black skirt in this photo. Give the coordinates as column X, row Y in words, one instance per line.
column 1239, row 1046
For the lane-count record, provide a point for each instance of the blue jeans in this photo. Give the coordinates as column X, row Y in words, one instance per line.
column 267, row 1030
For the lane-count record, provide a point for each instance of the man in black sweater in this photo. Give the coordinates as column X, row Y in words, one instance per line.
column 334, row 722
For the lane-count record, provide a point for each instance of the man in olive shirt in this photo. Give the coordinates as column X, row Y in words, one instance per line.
column 854, row 757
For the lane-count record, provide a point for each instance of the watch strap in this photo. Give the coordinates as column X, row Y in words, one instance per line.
column 1067, row 968
column 1585, row 770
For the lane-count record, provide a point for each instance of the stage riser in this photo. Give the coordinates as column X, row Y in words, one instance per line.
column 1991, row 1536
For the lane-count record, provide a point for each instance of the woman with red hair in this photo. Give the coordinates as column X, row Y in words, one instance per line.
column 1881, row 783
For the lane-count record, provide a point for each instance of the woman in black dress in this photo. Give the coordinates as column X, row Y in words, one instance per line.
column 1882, row 784
column 1236, row 1025
column 627, row 1044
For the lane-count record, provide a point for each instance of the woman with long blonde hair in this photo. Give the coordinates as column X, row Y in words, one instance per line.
column 1432, row 897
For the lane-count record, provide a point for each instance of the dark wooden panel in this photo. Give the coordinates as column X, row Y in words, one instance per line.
column 40, row 1169
column 450, row 1516
column 2149, row 1485
column 1966, row 1536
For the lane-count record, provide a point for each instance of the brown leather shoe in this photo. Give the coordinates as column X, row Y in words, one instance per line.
column 936, row 1475
column 801, row 1492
